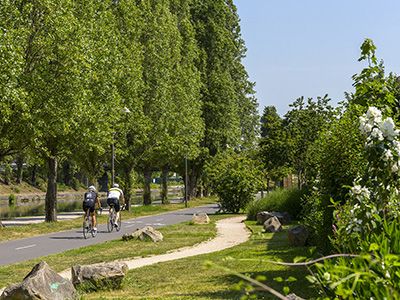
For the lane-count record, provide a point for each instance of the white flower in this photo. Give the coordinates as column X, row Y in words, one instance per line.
column 387, row 155
column 373, row 115
column 395, row 168
column 355, row 190
column 377, row 134
column 388, row 129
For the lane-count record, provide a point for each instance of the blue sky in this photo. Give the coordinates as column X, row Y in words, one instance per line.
column 310, row 47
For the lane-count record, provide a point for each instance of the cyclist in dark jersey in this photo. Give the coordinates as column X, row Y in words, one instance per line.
column 90, row 199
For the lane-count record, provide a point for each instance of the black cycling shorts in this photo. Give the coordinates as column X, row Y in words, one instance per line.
column 88, row 206
column 114, row 202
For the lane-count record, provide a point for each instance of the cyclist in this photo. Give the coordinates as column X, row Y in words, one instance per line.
column 115, row 197
column 90, row 199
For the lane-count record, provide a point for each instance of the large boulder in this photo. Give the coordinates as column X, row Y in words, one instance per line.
column 272, row 225
column 298, row 235
column 263, row 216
column 147, row 233
column 200, row 218
column 103, row 276
column 41, row 283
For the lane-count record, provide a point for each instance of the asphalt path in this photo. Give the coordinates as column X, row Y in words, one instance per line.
column 34, row 247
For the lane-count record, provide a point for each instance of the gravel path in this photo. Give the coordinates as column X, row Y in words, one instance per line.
column 230, row 232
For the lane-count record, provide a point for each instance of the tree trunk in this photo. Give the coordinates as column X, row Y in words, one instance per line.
column 20, row 171
column 67, row 173
column 164, row 185
column 33, row 175
column 51, row 194
column 128, row 187
column 194, row 175
column 146, row 188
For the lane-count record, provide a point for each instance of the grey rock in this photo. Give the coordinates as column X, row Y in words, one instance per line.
column 99, row 276
column 41, row 283
column 298, row 235
column 263, row 216
column 144, row 234
column 200, row 218
column 272, row 225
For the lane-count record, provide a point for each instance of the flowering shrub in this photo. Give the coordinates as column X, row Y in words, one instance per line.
column 369, row 223
column 374, row 195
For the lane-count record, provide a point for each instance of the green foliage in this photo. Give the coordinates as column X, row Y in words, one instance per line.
column 317, row 215
column 12, row 200
column 234, row 178
column 274, row 148
column 372, row 87
column 373, row 274
column 304, row 123
column 282, row 200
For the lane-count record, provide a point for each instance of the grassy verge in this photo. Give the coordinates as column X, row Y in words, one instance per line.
column 188, row 279
column 175, row 236
column 17, row 232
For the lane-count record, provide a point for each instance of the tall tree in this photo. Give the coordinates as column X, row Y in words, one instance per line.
column 15, row 122
column 304, row 122
column 59, row 80
column 228, row 111
column 274, row 145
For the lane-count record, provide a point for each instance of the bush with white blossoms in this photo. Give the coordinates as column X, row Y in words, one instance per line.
column 373, row 196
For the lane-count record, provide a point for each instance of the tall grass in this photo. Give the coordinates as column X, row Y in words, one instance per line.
column 283, row 200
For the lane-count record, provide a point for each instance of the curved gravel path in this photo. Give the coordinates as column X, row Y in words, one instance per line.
column 230, row 232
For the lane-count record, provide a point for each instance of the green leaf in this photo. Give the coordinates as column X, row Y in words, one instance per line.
column 374, row 247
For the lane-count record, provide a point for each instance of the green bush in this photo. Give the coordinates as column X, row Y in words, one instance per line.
column 283, row 200
column 373, row 274
column 12, row 200
column 317, row 216
column 234, row 178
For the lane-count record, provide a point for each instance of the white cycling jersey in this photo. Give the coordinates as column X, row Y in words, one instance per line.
column 115, row 193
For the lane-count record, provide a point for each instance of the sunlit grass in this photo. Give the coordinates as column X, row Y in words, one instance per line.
column 189, row 279
column 175, row 236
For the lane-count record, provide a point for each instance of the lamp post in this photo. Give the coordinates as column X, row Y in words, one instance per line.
column 126, row 111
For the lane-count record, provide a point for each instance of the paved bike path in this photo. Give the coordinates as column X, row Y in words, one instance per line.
column 30, row 248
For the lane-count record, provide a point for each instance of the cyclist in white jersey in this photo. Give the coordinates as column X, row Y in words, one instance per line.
column 115, row 196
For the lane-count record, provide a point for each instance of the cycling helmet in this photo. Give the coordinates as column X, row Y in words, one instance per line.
column 116, row 185
column 92, row 188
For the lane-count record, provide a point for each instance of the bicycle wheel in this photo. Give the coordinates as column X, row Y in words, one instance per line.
column 85, row 227
column 110, row 223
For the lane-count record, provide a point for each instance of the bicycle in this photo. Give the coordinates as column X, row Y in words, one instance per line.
column 88, row 226
column 111, row 219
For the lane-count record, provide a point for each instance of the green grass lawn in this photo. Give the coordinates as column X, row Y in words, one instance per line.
column 186, row 278
column 175, row 236
column 190, row 279
column 17, row 232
